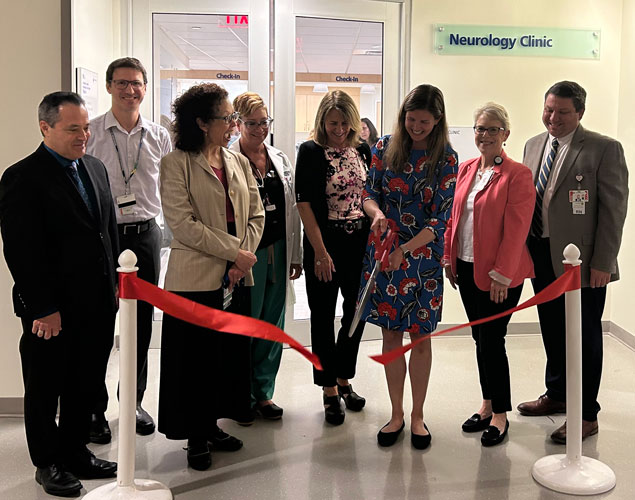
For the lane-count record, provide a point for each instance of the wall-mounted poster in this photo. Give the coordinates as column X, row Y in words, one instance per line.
column 86, row 85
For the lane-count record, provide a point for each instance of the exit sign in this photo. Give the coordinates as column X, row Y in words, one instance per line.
column 234, row 21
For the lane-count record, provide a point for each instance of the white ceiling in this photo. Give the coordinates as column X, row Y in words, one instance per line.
column 322, row 45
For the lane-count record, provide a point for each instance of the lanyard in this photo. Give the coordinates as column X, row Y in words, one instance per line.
column 126, row 180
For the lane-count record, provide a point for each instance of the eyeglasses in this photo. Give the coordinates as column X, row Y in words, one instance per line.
column 123, row 84
column 252, row 125
column 229, row 118
column 491, row 131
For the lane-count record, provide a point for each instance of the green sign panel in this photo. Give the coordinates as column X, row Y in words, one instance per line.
column 465, row 39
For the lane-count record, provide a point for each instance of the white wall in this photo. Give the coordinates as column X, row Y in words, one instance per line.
column 621, row 311
column 519, row 83
column 32, row 68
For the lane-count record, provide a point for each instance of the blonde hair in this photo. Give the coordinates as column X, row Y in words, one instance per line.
column 495, row 111
column 248, row 102
column 343, row 103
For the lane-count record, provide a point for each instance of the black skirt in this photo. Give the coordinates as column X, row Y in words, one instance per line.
column 205, row 374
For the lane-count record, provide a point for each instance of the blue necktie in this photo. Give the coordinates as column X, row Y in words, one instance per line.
column 541, row 185
column 72, row 171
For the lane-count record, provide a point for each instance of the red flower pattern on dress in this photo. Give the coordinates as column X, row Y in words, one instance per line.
column 407, row 169
column 435, row 302
column 425, row 251
column 420, row 163
column 451, row 160
column 377, row 163
column 385, row 309
column 447, row 181
column 413, row 328
column 427, row 194
column 431, row 285
column 398, row 184
column 406, row 284
column 366, row 276
column 391, row 290
column 408, row 219
column 423, row 314
column 405, row 265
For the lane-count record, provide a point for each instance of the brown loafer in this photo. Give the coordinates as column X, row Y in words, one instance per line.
column 541, row 407
column 588, row 429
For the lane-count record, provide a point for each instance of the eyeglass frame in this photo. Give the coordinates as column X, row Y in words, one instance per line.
column 488, row 130
column 251, row 125
column 136, row 84
column 233, row 117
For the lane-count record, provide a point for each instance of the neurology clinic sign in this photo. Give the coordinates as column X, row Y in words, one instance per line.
column 462, row 39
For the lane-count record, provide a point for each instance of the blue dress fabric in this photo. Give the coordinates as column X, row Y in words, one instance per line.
column 410, row 298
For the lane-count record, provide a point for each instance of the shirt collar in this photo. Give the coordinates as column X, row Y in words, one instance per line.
column 65, row 162
column 563, row 140
column 110, row 121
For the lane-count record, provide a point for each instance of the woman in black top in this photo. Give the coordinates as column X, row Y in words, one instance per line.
column 330, row 177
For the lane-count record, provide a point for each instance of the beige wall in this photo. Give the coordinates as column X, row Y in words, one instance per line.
column 519, row 83
column 621, row 310
column 35, row 52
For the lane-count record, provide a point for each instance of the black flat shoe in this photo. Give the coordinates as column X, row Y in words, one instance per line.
column 421, row 442
column 333, row 412
column 247, row 419
column 475, row 423
column 198, row 455
column 270, row 412
column 222, row 441
column 145, row 424
column 99, row 429
column 492, row 436
column 352, row 400
column 56, row 481
column 389, row 438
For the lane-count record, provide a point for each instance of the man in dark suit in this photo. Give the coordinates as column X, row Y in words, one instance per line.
column 581, row 198
column 60, row 243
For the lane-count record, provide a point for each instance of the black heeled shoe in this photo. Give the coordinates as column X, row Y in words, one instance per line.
column 389, row 438
column 333, row 412
column 476, row 423
column 492, row 436
column 198, row 454
column 352, row 400
column 421, row 442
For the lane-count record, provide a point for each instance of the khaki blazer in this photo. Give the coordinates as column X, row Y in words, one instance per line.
column 193, row 200
column 595, row 163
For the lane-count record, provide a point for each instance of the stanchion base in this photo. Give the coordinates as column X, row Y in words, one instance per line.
column 143, row 489
column 586, row 477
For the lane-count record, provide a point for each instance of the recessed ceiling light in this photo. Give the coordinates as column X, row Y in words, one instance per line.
column 196, row 28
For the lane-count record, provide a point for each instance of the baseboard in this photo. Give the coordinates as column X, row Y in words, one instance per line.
column 11, row 407
column 622, row 335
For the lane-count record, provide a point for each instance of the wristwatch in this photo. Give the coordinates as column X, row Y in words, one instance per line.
column 405, row 251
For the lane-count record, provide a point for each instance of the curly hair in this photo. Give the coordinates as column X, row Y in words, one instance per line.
column 198, row 102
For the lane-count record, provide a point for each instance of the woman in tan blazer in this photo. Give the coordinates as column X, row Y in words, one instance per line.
column 212, row 205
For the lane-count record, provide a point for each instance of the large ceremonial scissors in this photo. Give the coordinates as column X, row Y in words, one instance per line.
column 382, row 252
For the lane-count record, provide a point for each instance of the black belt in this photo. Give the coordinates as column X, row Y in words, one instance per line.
column 135, row 227
column 347, row 225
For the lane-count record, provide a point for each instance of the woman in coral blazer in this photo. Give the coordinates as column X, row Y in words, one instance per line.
column 486, row 256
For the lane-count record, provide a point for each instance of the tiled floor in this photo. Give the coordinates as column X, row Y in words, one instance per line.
column 301, row 458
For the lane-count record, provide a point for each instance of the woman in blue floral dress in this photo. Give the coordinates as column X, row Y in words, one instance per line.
column 410, row 187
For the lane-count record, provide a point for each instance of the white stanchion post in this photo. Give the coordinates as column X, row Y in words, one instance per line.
column 573, row 473
column 127, row 487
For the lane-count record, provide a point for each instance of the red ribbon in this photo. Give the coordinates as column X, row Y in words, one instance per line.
column 132, row 287
column 569, row 281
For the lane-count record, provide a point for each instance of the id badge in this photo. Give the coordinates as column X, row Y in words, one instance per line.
column 126, row 204
column 578, row 195
column 227, row 298
column 578, row 207
column 270, row 207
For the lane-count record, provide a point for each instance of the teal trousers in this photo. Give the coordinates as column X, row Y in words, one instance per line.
column 268, row 304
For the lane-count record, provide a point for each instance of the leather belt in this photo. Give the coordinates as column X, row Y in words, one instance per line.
column 347, row 225
column 135, row 227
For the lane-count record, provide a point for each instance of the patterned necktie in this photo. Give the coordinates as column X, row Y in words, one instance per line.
column 74, row 175
column 541, row 185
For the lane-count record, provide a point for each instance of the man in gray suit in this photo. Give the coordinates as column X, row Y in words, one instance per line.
column 581, row 198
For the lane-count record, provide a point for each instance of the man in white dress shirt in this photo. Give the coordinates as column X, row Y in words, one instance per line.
column 131, row 147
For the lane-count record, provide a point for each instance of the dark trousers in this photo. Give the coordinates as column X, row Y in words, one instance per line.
column 338, row 357
column 491, row 356
column 553, row 329
column 69, row 369
column 147, row 248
